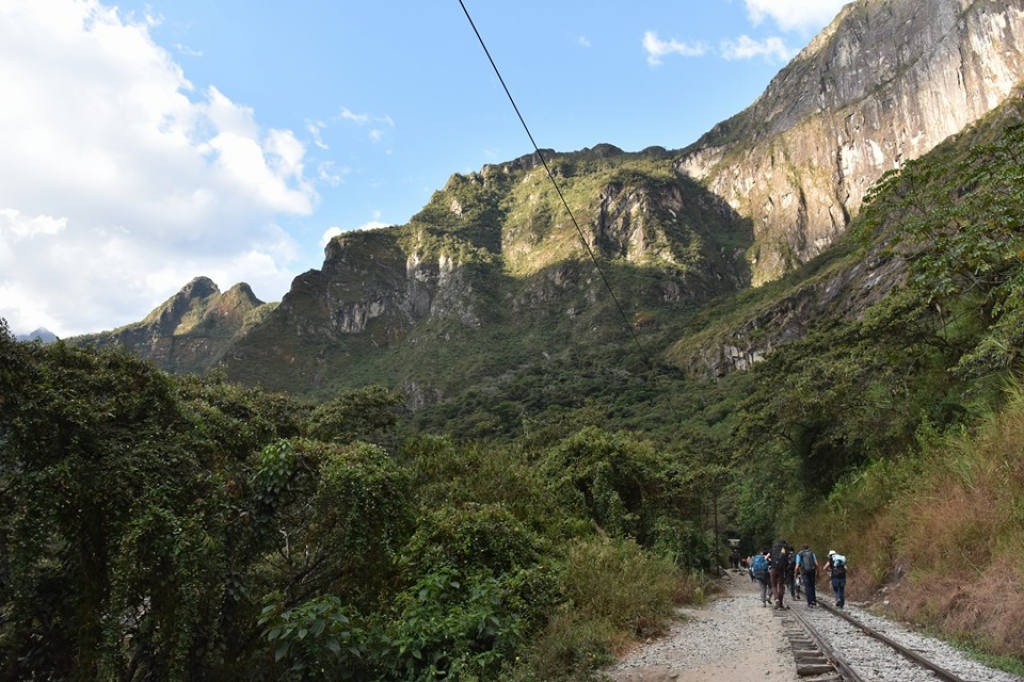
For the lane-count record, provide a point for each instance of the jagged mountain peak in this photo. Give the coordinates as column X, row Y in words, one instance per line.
column 886, row 82
column 199, row 287
column 495, row 251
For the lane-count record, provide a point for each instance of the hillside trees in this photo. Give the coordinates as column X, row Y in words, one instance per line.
column 156, row 527
column 148, row 519
column 853, row 390
column 961, row 231
column 117, row 512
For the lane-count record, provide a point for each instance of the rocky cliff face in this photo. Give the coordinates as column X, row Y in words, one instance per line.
column 886, row 82
column 371, row 283
column 191, row 330
column 494, row 255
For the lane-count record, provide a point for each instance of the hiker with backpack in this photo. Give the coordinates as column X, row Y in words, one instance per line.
column 778, row 563
column 792, row 584
column 807, row 564
column 837, row 569
column 759, row 572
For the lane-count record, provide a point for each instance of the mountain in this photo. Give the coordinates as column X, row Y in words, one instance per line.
column 42, row 335
column 190, row 331
column 884, row 83
column 494, row 275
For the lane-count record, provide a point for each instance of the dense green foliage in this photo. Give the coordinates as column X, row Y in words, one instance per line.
column 161, row 527
column 158, row 527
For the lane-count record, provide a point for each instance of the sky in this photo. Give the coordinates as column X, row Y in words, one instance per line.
column 146, row 143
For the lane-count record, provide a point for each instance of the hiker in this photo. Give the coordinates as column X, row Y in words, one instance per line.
column 791, row 571
column 759, row 572
column 837, row 569
column 807, row 564
column 777, row 568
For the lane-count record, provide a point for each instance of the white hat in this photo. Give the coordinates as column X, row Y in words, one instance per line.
column 831, row 552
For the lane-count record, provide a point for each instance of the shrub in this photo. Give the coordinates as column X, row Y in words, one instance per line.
column 453, row 626
column 317, row 640
column 471, row 539
column 614, row 591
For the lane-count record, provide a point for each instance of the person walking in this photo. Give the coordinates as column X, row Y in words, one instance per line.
column 779, row 562
column 836, row 566
column 759, row 572
column 808, row 566
column 791, row 581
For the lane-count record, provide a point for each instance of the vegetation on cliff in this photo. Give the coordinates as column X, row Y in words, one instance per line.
column 188, row 528
column 549, row 468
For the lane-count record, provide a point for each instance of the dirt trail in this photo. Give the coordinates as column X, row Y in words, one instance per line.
column 732, row 638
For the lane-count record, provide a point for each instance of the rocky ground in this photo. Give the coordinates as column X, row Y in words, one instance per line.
column 734, row 638
column 730, row 638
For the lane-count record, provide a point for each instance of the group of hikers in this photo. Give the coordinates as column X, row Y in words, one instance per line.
column 783, row 569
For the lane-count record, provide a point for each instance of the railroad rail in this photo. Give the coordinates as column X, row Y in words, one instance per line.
column 817, row 655
column 938, row 670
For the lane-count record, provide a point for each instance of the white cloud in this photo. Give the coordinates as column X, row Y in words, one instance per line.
column 329, row 174
column 584, row 41
column 16, row 226
column 377, row 132
column 334, row 231
column 795, row 15
column 330, row 234
column 657, row 48
column 315, row 128
column 746, row 47
column 119, row 182
column 347, row 115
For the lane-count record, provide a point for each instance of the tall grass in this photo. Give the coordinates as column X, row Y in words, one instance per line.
column 617, row 593
column 940, row 534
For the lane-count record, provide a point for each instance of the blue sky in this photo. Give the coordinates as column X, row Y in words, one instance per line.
column 145, row 143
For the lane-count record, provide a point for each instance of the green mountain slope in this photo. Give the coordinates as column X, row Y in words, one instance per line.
column 494, row 273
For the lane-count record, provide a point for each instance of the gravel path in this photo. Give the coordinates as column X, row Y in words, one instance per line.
column 731, row 638
column 734, row 639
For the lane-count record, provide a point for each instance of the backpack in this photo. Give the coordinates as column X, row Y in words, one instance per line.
column 759, row 567
column 838, row 566
column 806, row 560
column 780, row 556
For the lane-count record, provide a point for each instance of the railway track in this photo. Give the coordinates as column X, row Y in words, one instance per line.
column 830, row 645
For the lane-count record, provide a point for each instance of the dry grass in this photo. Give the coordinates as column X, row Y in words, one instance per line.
column 617, row 594
column 949, row 549
column 984, row 611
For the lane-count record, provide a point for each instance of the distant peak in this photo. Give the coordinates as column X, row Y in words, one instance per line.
column 42, row 334
column 242, row 292
column 200, row 287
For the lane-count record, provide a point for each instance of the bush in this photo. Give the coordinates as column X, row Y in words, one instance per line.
column 317, row 640
column 471, row 539
column 613, row 591
column 461, row 626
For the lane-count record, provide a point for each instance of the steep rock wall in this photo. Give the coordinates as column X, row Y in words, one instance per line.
column 886, row 82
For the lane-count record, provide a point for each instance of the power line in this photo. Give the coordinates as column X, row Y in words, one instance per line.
column 558, row 190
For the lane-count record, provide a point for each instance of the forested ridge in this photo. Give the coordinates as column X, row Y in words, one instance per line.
column 185, row 528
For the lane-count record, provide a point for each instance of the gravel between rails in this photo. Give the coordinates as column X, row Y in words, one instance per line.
column 734, row 638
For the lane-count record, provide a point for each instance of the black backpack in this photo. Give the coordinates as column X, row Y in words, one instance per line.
column 780, row 556
column 806, row 560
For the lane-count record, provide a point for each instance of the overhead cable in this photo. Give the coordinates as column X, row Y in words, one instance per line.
column 558, row 190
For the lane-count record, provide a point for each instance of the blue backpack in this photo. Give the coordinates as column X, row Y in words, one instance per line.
column 760, row 567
